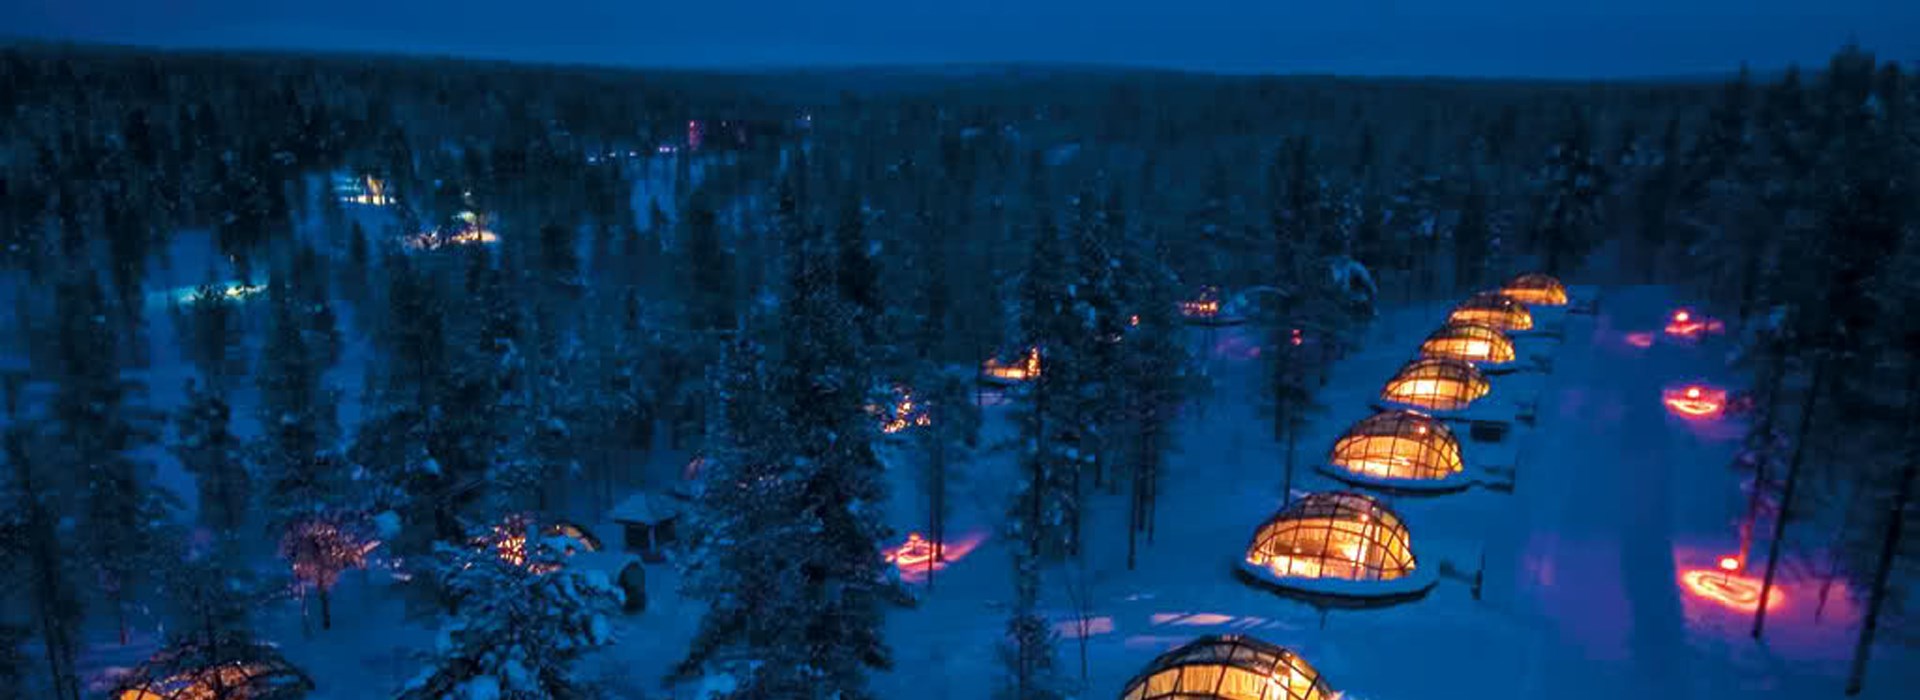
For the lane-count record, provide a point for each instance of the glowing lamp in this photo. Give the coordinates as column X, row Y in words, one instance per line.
column 1729, row 564
column 1680, row 317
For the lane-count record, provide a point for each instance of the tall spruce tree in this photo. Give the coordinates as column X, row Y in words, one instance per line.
column 100, row 425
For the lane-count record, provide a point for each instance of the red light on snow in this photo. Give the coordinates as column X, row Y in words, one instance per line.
column 1640, row 339
column 1729, row 563
column 1684, row 324
column 917, row 557
column 1298, row 338
column 1736, row 592
column 1696, row 401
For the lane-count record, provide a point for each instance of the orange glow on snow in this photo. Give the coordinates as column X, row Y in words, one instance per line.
column 916, row 550
column 1640, row 339
column 1736, row 592
column 915, row 556
column 1696, row 401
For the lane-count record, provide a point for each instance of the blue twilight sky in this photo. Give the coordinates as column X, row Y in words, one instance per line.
column 1542, row 38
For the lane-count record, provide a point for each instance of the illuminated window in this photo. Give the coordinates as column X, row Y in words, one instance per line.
column 1469, row 343
column 1016, row 371
column 1493, row 310
column 509, row 539
column 1228, row 667
column 1436, row 384
column 1535, row 288
column 1343, row 535
column 1398, row 445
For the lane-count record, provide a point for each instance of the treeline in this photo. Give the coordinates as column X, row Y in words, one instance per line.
column 894, row 229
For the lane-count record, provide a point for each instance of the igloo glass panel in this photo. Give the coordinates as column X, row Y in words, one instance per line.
column 1431, row 456
column 1228, row 667
column 1537, row 289
column 1333, row 548
column 1469, row 343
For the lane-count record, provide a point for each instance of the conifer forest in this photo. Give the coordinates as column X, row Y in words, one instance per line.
column 337, row 376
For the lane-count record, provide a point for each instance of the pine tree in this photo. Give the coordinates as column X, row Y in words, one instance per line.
column 516, row 630
column 98, row 427
column 1569, row 188
column 298, row 453
column 49, row 588
column 212, row 337
column 208, row 449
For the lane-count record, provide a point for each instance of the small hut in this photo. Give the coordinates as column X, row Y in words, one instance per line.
column 1493, row 310
column 647, row 520
column 1535, row 289
column 1228, row 667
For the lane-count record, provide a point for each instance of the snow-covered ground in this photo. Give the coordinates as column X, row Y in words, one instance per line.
column 1614, row 498
column 1582, row 597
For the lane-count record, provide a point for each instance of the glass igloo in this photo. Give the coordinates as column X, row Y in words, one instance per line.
column 1493, row 310
column 1536, row 289
column 1469, row 343
column 1398, row 449
column 1228, row 667
column 1435, row 384
column 1341, row 544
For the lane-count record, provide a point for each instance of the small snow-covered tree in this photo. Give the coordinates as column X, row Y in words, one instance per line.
column 321, row 548
column 516, row 630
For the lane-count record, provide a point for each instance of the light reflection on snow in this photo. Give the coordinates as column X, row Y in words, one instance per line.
column 914, row 557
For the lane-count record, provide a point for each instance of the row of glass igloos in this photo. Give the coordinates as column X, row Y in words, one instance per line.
column 1347, row 537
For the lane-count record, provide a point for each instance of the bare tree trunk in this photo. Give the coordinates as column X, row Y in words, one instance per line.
column 1889, row 545
column 1777, row 371
column 1786, row 496
column 326, row 609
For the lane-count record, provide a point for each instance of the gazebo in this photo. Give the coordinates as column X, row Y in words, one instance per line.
column 1228, row 667
column 647, row 520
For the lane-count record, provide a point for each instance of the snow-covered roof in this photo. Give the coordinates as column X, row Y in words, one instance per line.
column 645, row 507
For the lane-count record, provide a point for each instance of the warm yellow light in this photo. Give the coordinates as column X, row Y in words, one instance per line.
column 1696, row 401
column 1028, row 368
column 1729, row 563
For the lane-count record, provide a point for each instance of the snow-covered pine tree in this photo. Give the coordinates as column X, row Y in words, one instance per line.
column 516, row 631
column 212, row 325
column 1568, row 191
column 98, row 426
column 821, row 376
column 740, row 555
column 205, row 445
column 1154, row 374
column 1049, row 445
column 46, row 585
column 299, row 423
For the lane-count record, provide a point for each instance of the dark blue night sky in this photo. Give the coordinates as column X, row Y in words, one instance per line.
column 1549, row 38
